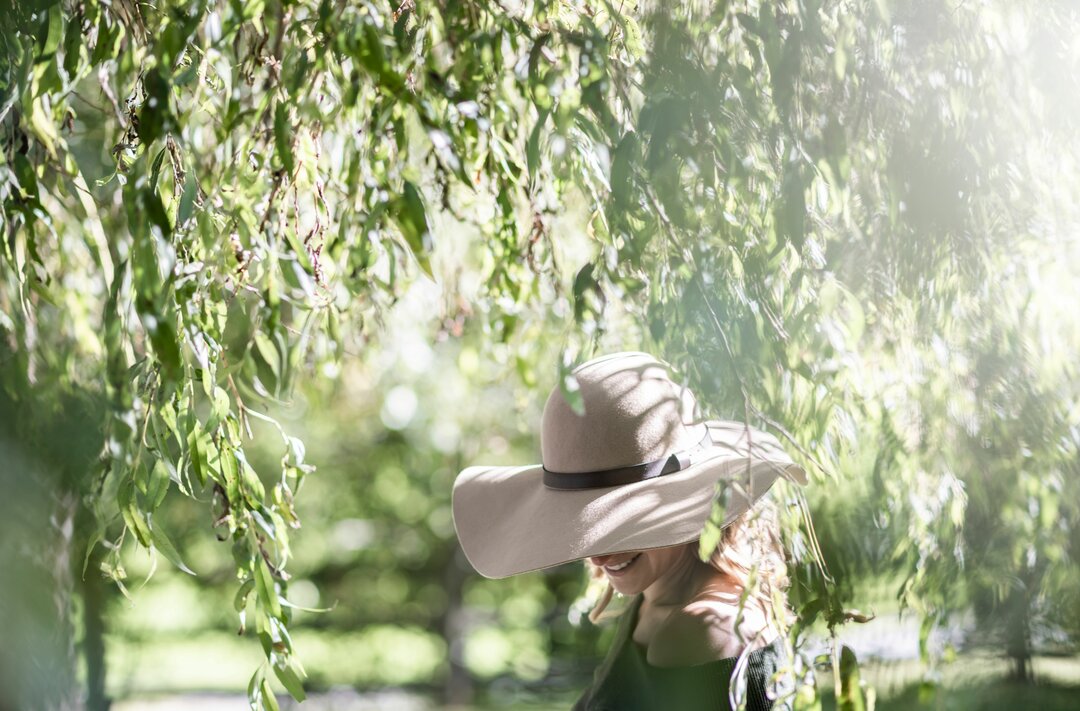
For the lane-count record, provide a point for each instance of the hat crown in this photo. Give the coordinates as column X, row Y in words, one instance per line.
column 634, row 413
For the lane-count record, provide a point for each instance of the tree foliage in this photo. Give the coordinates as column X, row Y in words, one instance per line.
column 789, row 200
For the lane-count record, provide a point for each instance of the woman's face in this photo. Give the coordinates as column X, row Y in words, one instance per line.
column 632, row 573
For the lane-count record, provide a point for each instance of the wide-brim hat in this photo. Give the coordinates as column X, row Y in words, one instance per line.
column 635, row 471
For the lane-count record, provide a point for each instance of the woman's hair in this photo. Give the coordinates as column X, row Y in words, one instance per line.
column 750, row 552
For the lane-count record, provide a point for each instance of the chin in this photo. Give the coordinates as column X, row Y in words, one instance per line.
column 627, row 587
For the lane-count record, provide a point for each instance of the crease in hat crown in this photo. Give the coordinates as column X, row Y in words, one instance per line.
column 634, row 413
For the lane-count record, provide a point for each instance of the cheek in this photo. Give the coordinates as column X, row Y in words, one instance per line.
column 657, row 564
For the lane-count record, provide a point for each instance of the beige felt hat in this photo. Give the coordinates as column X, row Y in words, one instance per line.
column 635, row 471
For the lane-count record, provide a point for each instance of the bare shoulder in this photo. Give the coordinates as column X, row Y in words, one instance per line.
column 704, row 631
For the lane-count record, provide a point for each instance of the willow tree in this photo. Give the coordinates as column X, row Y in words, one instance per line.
column 201, row 200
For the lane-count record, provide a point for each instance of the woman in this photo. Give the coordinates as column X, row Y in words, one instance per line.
column 680, row 642
column 629, row 484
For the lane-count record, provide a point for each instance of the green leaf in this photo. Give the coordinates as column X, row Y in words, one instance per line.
column 850, row 697
column 401, row 36
column 219, row 408
column 297, row 451
column 632, row 37
column 155, row 168
column 241, row 597
column 283, row 137
column 155, row 118
column 569, row 387
column 925, row 629
column 187, row 75
column 532, row 147
column 155, row 211
column 409, row 213
column 289, row 675
column 172, row 42
column 165, row 546
column 585, row 288
column 164, row 339
column 53, row 33
column 187, row 200
column 791, row 209
column 27, row 178
column 133, row 518
column 197, row 453
column 622, row 171
column 369, row 50
column 108, row 37
column 712, row 531
column 255, row 687
column 158, row 484
column 268, row 352
column 282, row 498
column 269, row 701
column 808, row 613
column 250, row 484
column 231, row 475
column 73, row 42
column 96, row 537
column 264, row 585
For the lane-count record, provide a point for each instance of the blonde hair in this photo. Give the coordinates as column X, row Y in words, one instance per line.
column 750, row 552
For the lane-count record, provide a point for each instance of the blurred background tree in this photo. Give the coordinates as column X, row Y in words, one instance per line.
column 850, row 221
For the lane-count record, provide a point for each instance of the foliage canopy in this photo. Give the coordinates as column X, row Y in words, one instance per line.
column 794, row 202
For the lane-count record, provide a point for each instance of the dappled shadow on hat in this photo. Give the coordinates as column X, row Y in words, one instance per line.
column 634, row 413
column 516, row 519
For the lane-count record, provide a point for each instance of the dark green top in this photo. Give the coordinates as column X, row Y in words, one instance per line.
column 625, row 681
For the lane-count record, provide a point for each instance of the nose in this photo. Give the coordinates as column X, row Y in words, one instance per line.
column 600, row 560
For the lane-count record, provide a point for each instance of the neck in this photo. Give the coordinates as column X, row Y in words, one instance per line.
column 680, row 583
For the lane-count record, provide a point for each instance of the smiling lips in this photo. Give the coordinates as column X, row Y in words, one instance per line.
column 620, row 568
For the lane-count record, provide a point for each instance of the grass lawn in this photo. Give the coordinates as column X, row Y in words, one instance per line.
column 209, row 672
column 994, row 696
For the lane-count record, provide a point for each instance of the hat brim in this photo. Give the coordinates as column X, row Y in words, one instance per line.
column 508, row 522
